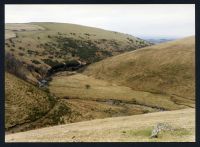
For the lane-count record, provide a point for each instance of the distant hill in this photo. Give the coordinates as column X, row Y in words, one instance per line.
column 167, row 68
column 43, row 45
column 156, row 41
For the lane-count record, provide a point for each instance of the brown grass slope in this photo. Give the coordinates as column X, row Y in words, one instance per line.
column 74, row 87
column 167, row 68
column 135, row 128
column 23, row 102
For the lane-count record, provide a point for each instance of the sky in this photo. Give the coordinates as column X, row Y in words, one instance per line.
column 141, row 20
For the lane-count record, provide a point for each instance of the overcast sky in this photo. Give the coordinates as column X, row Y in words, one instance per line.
column 140, row 20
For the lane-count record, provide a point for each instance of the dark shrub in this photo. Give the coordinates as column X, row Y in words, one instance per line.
column 21, row 54
column 87, row 86
column 10, row 40
column 35, row 114
column 30, row 52
column 50, row 62
column 131, row 40
column 35, row 62
column 14, row 66
column 50, row 57
column 87, row 34
column 103, row 40
column 7, row 44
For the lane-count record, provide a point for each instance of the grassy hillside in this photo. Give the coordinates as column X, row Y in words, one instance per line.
column 167, row 68
column 28, row 107
column 24, row 102
column 87, row 88
column 150, row 79
column 43, row 45
column 33, row 48
column 135, row 128
column 11, row 29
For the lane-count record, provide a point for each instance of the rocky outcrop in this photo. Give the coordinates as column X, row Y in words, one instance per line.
column 160, row 127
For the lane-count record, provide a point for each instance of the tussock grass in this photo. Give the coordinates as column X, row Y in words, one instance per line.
column 23, row 101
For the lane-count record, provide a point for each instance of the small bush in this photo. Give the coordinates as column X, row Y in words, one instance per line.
column 52, row 100
column 87, row 34
column 50, row 57
column 35, row 62
column 35, row 114
column 50, row 62
column 14, row 66
column 87, row 86
column 7, row 44
column 103, row 40
column 21, row 54
column 131, row 40
column 30, row 52
column 10, row 40
column 145, row 111
column 57, row 115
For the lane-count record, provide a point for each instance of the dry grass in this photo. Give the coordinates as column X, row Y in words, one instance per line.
column 9, row 34
column 75, row 87
column 79, row 30
column 83, row 110
column 124, row 129
column 22, row 100
column 167, row 68
column 22, row 27
column 12, row 28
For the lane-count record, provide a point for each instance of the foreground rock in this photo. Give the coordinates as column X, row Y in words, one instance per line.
column 160, row 127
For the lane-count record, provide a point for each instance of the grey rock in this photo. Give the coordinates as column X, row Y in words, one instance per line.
column 160, row 127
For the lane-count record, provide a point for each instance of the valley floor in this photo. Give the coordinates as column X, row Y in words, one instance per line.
column 136, row 128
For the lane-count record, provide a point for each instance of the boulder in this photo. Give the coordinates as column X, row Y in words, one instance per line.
column 160, row 127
